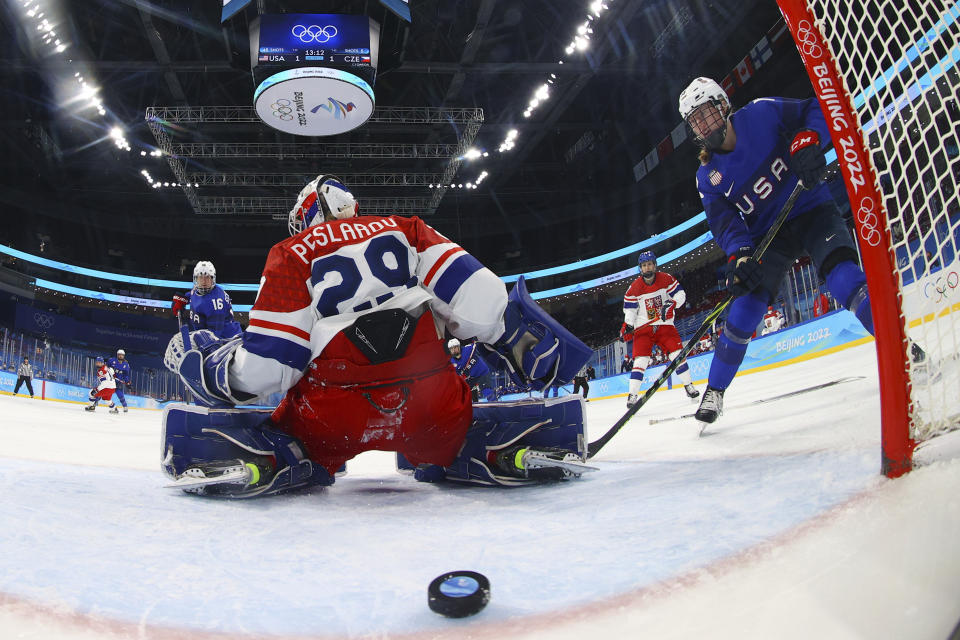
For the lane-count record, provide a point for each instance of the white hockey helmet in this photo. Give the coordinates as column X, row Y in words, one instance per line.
column 121, row 352
column 204, row 268
column 324, row 198
column 452, row 342
column 705, row 108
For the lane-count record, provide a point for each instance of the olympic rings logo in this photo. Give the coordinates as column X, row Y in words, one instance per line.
column 313, row 33
column 43, row 321
column 807, row 39
column 282, row 109
column 943, row 285
column 868, row 222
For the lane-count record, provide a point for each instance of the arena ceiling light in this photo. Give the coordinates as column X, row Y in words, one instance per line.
column 580, row 43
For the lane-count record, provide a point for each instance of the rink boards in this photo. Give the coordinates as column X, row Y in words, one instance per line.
column 60, row 392
column 837, row 330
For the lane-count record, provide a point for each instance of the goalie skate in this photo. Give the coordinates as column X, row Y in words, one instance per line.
column 218, row 477
column 542, row 464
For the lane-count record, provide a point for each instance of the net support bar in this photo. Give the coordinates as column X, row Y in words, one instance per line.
column 873, row 234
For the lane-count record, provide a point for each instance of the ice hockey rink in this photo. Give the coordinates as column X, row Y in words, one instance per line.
column 775, row 524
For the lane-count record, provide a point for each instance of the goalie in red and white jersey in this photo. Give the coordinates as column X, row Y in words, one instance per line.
column 648, row 314
column 348, row 323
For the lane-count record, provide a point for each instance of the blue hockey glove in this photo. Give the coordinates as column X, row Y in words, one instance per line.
column 666, row 311
column 535, row 350
column 807, row 159
column 744, row 273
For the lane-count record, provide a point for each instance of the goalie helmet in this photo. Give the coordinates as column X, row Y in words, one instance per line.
column 204, row 268
column 324, row 198
column 705, row 107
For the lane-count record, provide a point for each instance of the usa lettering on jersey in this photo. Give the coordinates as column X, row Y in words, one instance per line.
column 763, row 187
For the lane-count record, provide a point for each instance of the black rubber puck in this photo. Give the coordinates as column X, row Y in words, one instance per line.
column 458, row 594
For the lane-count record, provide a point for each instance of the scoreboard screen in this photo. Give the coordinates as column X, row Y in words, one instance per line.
column 314, row 39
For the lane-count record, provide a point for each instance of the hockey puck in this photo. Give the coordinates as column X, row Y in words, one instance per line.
column 458, row 594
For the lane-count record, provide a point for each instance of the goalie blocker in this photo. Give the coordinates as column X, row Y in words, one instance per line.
column 238, row 453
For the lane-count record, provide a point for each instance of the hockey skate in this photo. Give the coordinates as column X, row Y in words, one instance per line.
column 710, row 407
column 692, row 391
column 114, row 410
column 90, row 407
column 545, row 463
column 631, row 400
column 224, row 478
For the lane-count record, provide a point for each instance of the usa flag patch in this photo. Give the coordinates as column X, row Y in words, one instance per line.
column 715, row 177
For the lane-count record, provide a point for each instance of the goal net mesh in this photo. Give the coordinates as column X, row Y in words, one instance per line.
column 899, row 62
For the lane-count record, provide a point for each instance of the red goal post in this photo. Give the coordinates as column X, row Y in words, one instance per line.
column 886, row 75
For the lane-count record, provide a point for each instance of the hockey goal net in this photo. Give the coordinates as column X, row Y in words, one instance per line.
column 886, row 74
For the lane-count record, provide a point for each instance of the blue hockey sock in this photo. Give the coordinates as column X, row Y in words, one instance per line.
column 745, row 313
column 849, row 286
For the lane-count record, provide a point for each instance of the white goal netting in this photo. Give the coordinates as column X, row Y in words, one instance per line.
column 900, row 62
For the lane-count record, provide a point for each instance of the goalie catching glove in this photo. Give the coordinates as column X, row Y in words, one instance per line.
column 535, row 350
column 203, row 367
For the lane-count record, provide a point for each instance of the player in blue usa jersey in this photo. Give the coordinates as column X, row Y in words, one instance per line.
column 750, row 162
column 210, row 306
column 471, row 365
column 121, row 375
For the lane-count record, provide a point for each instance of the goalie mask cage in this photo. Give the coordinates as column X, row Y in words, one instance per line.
column 886, row 75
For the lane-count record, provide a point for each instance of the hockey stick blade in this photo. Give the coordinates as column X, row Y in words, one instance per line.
column 240, row 476
column 536, row 460
column 790, row 394
column 600, row 442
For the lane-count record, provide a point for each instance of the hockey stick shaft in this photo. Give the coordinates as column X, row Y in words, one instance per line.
column 600, row 442
column 184, row 329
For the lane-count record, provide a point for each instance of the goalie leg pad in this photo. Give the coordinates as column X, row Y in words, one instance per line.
column 535, row 350
column 195, row 436
column 548, row 423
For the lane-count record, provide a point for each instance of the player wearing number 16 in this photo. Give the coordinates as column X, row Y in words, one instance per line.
column 350, row 324
column 210, row 306
column 750, row 163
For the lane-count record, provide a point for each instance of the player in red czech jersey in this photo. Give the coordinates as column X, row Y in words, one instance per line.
column 350, row 324
column 648, row 314
column 105, row 387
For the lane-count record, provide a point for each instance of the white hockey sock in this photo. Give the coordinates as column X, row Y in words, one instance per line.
column 685, row 376
column 639, row 366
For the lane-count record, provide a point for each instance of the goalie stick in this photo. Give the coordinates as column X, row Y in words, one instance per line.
column 789, row 394
column 600, row 442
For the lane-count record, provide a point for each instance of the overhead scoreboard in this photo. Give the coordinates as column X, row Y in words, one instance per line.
column 315, row 71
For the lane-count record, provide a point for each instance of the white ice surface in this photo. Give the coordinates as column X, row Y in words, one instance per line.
column 775, row 524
